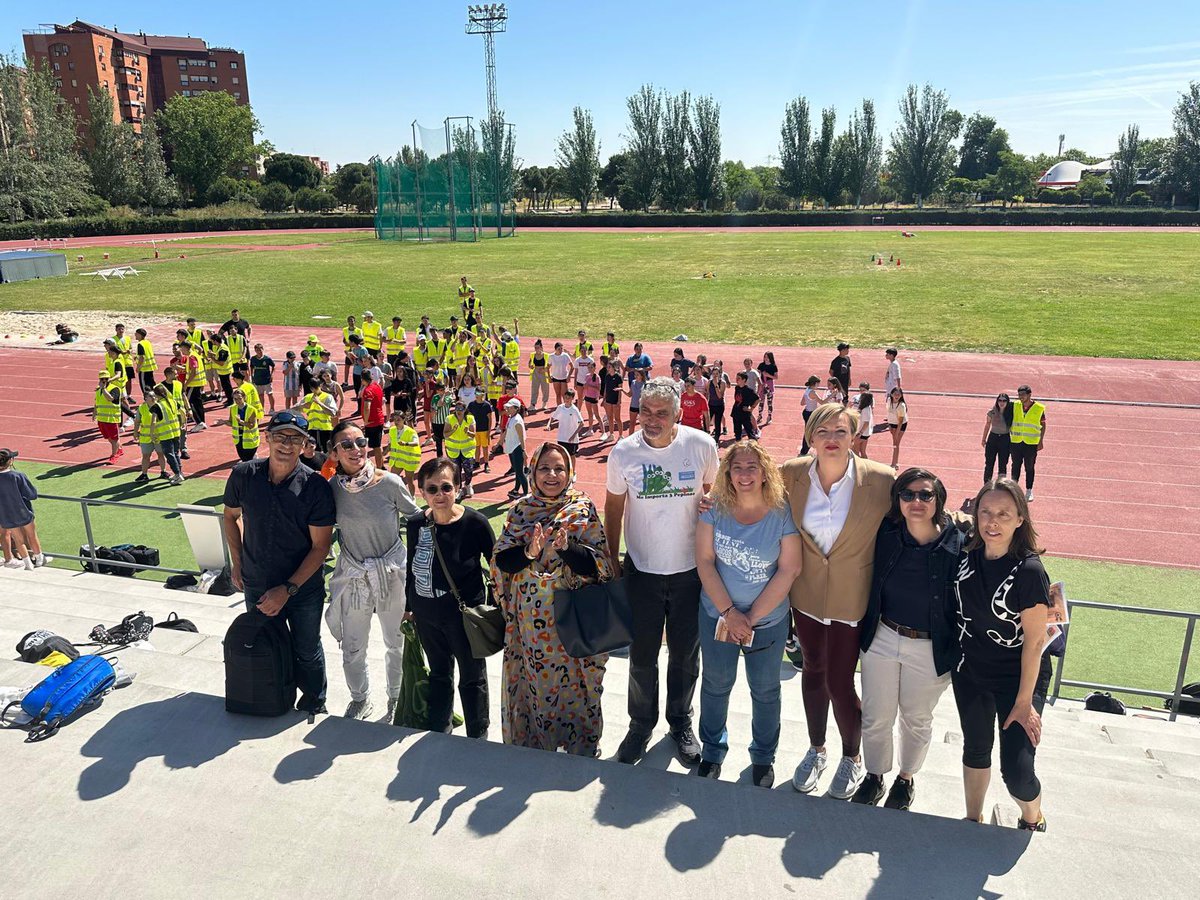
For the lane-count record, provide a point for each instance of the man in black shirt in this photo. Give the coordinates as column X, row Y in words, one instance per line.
column 236, row 323
column 278, row 520
column 840, row 368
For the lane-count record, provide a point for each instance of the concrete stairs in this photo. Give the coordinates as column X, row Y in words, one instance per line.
column 197, row 800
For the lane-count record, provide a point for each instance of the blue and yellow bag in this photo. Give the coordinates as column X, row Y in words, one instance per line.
column 63, row 693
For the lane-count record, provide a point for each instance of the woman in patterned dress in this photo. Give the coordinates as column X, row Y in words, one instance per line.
column 552, row 539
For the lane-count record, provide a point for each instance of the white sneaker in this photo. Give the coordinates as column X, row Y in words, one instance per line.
column 359, row 709
column 809, row 771
column 27, row 562
column 178, row 479
column 14, row 563
column 40, row 560
column 469, row 492
column 1029, row 494
column 604, row 438
column 847, row 778
column 199, row 426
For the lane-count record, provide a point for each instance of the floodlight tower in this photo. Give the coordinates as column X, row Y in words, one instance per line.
column 490, row 20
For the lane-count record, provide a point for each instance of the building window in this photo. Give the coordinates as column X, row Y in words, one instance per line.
column 57, row 67
column 74, row 83
column 71, row 66
column 187, row 93
column 237, row 95
column 213, row 79
column 58, row 82
column 102, row 53
column 236, row 80
column 233, row 64
column 59, row 49
column 182, row 63
column 212, row 63
column 76, row 101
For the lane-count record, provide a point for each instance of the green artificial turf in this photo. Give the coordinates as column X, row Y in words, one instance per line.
column 1126, row 294
column 1105, row 647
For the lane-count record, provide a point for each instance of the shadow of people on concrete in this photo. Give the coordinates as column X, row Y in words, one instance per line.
column 332, row 737
column 514, row 774
column 186, row 731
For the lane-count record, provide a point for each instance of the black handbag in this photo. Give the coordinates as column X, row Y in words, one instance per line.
column 484, row 622
column 594, row 619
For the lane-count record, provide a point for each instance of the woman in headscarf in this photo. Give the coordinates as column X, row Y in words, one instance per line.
column 552, row 539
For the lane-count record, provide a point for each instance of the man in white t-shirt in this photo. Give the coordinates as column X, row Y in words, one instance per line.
column 891, row 380
column 655, row 480
column 569, row 420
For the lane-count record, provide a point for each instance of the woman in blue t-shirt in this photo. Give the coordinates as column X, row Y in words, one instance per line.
column 748, row 555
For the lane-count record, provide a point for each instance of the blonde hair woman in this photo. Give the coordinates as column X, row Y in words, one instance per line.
column 748, row 555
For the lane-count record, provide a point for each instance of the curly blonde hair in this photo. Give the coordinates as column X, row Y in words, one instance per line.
column 723, row 492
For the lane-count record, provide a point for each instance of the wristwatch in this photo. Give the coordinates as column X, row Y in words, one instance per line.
column 292, row 589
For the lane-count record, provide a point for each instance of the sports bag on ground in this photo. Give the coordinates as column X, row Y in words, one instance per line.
column 142, row 555
column 174, row 623
column 1103, row 701
column 259, row 680
column 106, row 553
column 66, row 691
column 1189, row 702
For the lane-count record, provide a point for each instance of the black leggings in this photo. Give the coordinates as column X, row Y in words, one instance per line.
column 717, row 410
column 1026, row 454
column 743, row 423
column 995, row 454
column 321, row 436
column 227, row 387
column 804, row 440
column 195, row 398
column 445, row 642
column 980, row 710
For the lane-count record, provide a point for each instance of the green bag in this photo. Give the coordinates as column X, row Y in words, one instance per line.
column 413, row 709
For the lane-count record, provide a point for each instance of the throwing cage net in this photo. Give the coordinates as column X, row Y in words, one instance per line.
column 452, row 184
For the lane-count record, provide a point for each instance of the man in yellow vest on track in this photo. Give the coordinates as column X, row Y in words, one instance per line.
column 235, row 343
column 610, row 347
column 420, row 355
column 171, row 426
column 396, row 339
column 457, row 355
column 107, row 405
column 178, row 393
column 195, row 333
column 144, row 352
column 1027, row 435
column 404, row 447
column 125, row 345
column 243, row 426
column 511, row 351
column 146, row 431
column 222, row 362
column 194, row 381
column 372, row 333
column 319, row 407
column 247, row 390
column 460, row 446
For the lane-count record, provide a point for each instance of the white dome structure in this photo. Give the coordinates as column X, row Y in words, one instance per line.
column 1067, row 174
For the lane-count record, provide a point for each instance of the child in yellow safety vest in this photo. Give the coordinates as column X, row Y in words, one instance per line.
column 107, row 405
column 243, row 426
column 146, row 366
column 460, row 446
column 319, row 407
column 171, row 424
column 147, row 429
column 247, row 390
column 404, row 447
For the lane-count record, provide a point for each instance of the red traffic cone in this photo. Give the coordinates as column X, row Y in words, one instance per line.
column 879, row 262
column 897, row 263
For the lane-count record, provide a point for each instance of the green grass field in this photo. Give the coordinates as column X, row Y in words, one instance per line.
column 1088, row 294
column 1107, row 647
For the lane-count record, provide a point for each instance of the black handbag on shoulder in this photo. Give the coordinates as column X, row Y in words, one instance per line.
column 484, row 622
column 594, row 619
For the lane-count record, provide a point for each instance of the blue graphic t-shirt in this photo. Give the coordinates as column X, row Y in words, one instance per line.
column 748, row 557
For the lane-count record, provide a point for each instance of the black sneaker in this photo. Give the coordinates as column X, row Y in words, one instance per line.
column 901, row 795
column 687, row 748
column 141, row 479
column 763, row 775
column 632, row 747
column 795, row 656
column 708, row 769
column 870, row 792
column 183, row 454
column 1039, row 825
column 307, row 707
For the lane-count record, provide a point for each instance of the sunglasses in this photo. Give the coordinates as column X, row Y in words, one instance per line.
column 351, row 443
column 909, row 496
column 444, row 488
column 289, row 418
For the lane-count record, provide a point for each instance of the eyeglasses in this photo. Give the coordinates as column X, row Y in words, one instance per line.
column 289, row 440
column 289, row 418
column 351, row 443
column 444, row 488
column 909, row 496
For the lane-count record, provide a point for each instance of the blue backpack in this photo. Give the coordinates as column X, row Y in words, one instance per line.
column 64, row 692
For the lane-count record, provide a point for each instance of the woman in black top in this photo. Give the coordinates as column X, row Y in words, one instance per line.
column 742, row 414
column 909, row 635
column 1003, row 597
column 464, row 537
column 995, row 443
column 768, row 372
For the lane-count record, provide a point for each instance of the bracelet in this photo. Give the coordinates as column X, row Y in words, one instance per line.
column 727, row 611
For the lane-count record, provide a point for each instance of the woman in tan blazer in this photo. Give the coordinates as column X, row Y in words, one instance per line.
column 838, row 501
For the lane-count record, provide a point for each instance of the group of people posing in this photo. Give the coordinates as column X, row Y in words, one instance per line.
column 726, row 553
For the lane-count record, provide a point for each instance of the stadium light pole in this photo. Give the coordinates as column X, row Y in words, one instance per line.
column 489, row 20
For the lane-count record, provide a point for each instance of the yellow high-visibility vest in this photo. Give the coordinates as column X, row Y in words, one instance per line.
column 243, row 425
column 236, row 345
column 420, row 357
column 146, row 358
column 170, row 426
column 396, row 336
column 195, row 376
column 612, row 351
column 106, row 409
column 319, row 418
column 196, row 336
column 1026, row 425
column 372, row 334
column 346, row 332
column 512, row 355
column 223, row 368
column 460, row 352
column 125, row 345
column 252, row 399
column 437, row 349
column 460, row 436
column 146, row 427
column 404, row 448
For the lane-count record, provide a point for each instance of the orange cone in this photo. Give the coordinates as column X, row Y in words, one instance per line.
column 897, row 263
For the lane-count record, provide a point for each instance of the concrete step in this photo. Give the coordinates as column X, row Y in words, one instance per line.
column 78, row 579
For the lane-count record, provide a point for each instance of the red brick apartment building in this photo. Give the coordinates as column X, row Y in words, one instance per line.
column 141, row 71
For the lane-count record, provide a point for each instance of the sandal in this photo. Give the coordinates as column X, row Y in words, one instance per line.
column 1039, row 825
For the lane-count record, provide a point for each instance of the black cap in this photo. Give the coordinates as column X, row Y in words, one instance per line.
column 7, row 456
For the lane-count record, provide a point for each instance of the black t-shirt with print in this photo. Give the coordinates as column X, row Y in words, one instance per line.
column 991, row 596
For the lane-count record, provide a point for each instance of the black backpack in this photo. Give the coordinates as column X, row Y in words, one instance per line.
column 142, row 555
column 258, row 667
column 1103, row 701
column 1189, row 703
column 100, row 553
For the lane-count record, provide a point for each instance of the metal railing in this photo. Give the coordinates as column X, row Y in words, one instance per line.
column 1184, row 654
column 85, row 503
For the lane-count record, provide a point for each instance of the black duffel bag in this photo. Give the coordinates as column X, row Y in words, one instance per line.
column 107, row 553
column 142, row 555
column 1189, row 702
column 594, row 619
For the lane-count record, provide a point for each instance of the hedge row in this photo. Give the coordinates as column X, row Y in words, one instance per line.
column 100, row 226
column 890, row 217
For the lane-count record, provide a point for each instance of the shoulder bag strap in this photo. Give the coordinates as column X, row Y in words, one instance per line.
column 445, row 569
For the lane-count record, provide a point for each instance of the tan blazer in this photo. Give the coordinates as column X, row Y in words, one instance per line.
column 837, row 586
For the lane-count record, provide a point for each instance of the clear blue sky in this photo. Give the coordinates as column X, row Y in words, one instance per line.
column 345, row 82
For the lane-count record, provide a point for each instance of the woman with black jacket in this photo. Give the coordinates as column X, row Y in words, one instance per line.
column 909, row 637
column 464, row 542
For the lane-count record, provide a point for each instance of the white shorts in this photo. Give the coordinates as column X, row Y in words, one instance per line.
column 263, row 389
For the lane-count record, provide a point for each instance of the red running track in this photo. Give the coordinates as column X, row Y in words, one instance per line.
column 1115, row 482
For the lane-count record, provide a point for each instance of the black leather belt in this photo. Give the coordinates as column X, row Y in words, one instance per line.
column 905, row 631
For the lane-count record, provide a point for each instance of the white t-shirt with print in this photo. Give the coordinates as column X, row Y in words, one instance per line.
column 570, row 423
column 662, row 491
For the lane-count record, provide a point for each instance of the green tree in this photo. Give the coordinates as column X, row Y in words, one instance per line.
column 982, row 144
column 362, row 198
column 222, row 190
column 704, row 150
column 1185, row 153
column 825, row 181
column 863, row 150
column 1123, row 177
column 112, row 151
column 532, row 184
column 348, row 177
column 157, row 189
column 276, row 197
column 209, row 135
column 1092, row 187
column 612, row 177
column 676, row 184
column 644, row 150
column 1015, row 179
column 922, row 153
column 496, row 171
column 1079, row 156
column 959, row 190
column 795, row 144
column 578, row 157
column 307, row 199
column 294, row 171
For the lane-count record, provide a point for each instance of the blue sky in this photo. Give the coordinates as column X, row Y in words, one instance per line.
column 346, row 82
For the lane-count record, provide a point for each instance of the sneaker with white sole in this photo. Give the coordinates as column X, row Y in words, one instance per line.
column 390, row 717
column 808, row 773
column 14, row 563
column 359, row 709
column 177, row 480
column 40, row 560
column 1029, row 494
column 849, row 775
column 27, row 562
